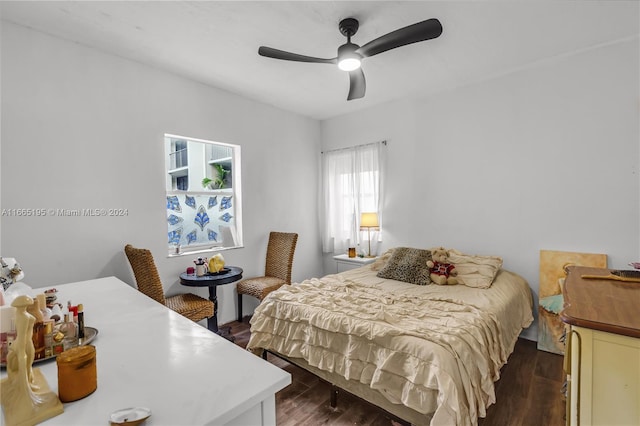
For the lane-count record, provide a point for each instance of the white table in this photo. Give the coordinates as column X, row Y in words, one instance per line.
column 346, row 263
column 150, row 356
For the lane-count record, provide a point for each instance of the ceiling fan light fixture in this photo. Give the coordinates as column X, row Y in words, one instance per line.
column 349, row 64
column 348, row 58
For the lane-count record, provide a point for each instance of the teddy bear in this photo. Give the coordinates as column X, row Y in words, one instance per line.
column 441, row 271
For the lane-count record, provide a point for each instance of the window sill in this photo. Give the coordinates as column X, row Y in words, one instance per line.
column 185, row 252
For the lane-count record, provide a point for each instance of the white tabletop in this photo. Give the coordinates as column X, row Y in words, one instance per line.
column 357, row 259
column 150, row 356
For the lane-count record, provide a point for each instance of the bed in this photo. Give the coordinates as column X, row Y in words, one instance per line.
column 428, row 354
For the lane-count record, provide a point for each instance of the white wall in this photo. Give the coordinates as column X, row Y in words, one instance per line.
column 543, row 158
column 83, row 129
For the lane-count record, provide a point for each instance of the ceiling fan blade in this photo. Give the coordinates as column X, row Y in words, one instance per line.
column 357, row 84
column 425, row 30
column 270, row 52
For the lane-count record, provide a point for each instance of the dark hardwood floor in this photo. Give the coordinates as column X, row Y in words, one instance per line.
column 527, row 394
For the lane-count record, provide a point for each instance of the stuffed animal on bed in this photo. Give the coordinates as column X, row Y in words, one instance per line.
column 441, row 271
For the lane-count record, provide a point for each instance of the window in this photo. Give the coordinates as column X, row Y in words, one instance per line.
column 204, row 210
column 351, row 185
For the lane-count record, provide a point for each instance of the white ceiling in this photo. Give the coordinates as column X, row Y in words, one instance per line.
column 216, row 42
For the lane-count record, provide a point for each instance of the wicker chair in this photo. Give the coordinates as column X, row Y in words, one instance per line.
column 277, row 271
column 144, row 268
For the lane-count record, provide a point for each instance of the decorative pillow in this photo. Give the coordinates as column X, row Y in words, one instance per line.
column 382, row 260
column 475, row 271
column 408, row 265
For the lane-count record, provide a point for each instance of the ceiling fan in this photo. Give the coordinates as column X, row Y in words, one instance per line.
column 350, row 55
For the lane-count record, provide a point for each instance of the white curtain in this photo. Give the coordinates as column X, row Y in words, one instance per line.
column 351, row 184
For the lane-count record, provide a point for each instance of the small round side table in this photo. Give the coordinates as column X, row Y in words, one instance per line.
column 230, row 274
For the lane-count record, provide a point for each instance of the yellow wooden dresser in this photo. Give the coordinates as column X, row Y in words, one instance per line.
column 603, row 350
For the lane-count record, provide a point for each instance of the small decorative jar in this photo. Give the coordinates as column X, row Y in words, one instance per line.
column 77, row 373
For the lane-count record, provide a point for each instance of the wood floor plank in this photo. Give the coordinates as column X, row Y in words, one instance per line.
column 357, row 413
column 549, row 366
column 527, row 394
column 287, row 398
column 544, row 408
column 516, row 374
column 313, row 408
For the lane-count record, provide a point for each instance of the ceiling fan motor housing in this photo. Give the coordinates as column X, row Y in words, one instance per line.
column 348, row 27
column 348, row 49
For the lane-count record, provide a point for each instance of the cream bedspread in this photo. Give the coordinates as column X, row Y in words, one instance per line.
column 434, row 349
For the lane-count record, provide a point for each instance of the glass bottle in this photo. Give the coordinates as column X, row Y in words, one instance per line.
column 38, row 329
column 6, row 339
column 80, row 321
column 42, row 305
column 57, row 344
column 70, row 330
column 48, row 338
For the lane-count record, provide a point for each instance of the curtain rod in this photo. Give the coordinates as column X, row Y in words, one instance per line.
column 384, row 142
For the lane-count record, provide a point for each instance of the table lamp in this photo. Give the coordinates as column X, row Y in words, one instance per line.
column 368, row 221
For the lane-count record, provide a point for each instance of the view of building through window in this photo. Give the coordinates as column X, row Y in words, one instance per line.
column 203, row 195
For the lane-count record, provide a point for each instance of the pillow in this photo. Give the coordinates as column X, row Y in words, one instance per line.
column 408, row 265
column 382, row 260
column 475, row 271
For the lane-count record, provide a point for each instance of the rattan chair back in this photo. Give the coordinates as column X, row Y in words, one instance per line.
column 277, row 270
column 145, row 272
column 280, row 251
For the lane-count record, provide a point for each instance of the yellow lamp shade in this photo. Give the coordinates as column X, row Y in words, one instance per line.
column 369, row 220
